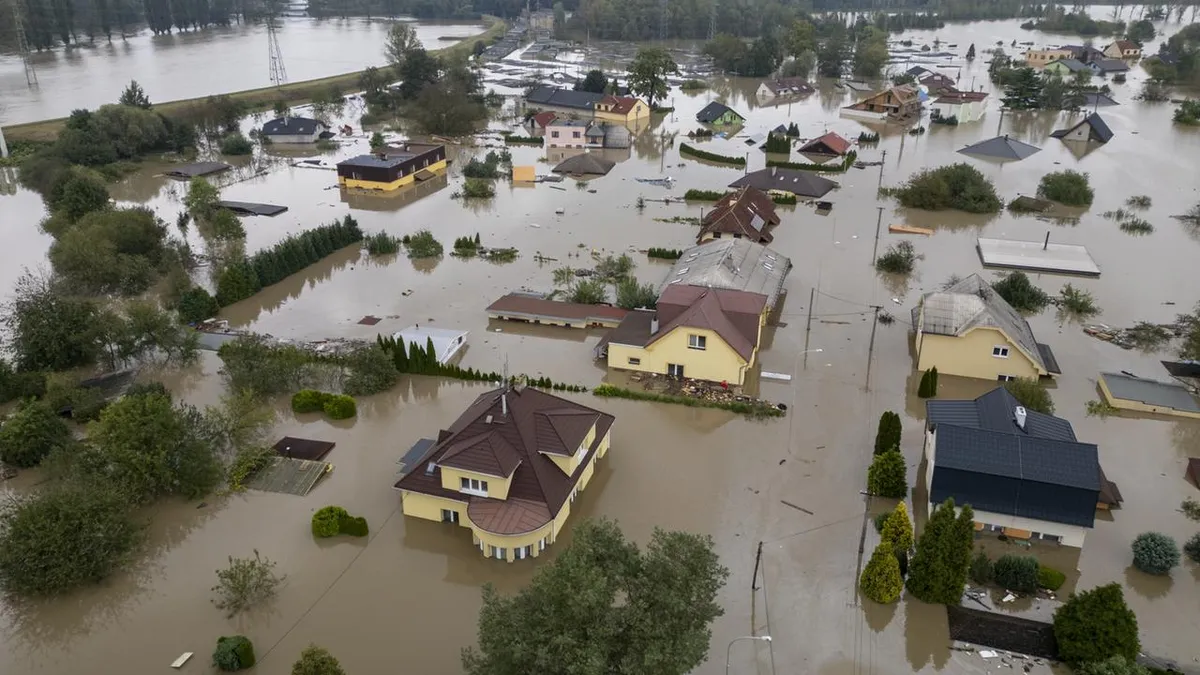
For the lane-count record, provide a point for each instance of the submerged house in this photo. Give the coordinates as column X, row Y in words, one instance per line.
column 962, row 106
column 1024, row 473
column 508, row 469
column 446, row 341
column 734, row 264
column 1040, row 58
column 1065, row 67
column 295, row 130
column 970, row 331
column 784, row 87
column 719, row 114
column 786, row 182
column 748, row 213
column 392, row 167
column 554, row 99
column 621, row 109
column 1123, row 49
column 567, row 133
column 898, row 102
column 1090, row 128
column 694, row 331
column 827, row 144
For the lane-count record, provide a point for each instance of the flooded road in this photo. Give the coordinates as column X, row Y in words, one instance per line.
column 411, row 594
column 202, row 63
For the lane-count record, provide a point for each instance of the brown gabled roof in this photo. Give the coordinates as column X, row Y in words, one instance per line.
column 937, row 81
column 524, row 305
column 620, row 104
column 483, row 453
column 1124, row 45
column 543, row 119
column 832, row 141
column 733, row 315
column 955, row 96
column 747, row 211
column 538, row 488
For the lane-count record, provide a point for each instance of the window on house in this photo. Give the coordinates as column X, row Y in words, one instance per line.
column 697, row 342
column 1005, row 378
column 523, row 552
column 553, row 134
column 635, row 361
column 1000, row 352
column 474, row 486
column 499, row 553
column 542, row 544
column 449, row 516
column 574, row 134
column 674, row 370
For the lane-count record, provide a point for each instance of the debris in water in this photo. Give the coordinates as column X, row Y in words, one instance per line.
column 1008, row 598
column 183, row 658
column 988, row 654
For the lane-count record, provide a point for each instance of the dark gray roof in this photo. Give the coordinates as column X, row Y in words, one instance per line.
column 1002, row 148
column 196, row 169
column 1072, row 65
column 1094, row 99
column 589, row 164
column 376, row 161
column 1015, row 474
column 252, row 208
column 995, row 411
column 713, row 111
column 1111, row 65
column 1100, row 131
column 803, row 183
column 563, row 98
column 292, row 126
column 1151, row 392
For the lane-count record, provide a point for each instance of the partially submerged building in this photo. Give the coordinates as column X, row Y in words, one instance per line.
column 295, row 130
column 587, row 164
column 536, row 308
column 962, row 106
column 748, row 213
column 508, row 469
column 786, row 182
column 1143, row 395
column 392, row 167
column 734, row 264
column 898, row 102
column 970, row 331
column 783, row 87
column 827, row 144
column 1001, row 149
column 447, row 342
column 1090, row 128
column 719, row 114
column 568, row 101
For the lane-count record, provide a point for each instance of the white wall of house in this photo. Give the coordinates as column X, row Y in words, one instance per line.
column 564, row 136
column 298, row 138
column 764, row 91
column 1069, row 535
column 862, row 115
column 966, row 111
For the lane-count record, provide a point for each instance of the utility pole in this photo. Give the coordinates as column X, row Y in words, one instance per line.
column 275, row 54
column 878, row 223
column 871, row 347
column 882, row 161
column 812, row 298
column 757, row 562
column 23, row 47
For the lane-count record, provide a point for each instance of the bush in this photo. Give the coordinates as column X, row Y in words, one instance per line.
column 382, row 243
column 1155, row 553
column 355, row 526
column 244, row 583
column 309, row 401
column 196, row 304
column 1031, row 394
column 881, row 579
column 752, row 409
column 236, row 144
column 525, row 140
column 1066, row 187
column 839, row 166
column 981, row 571
column 423, row 245
column 327, row 521
column 685, row 149
column 1096, row 625
column 1188, row 113
column 63, row 538
column 31, row 433
column 1018, row 291
column 1192, row 548
column 664, row 253
column 1016, row 573
column 315, row 660
column 928, row 386
column 957, row 186
column 785, row 200
column 340, row 407
column 371, row 370
column 1050, row 578
column 888, row 435
column 478, row 188
column 897, row 529
column 703, row 195
column 899, row 258
column 1117, row 665
column 1077, row 301
column 880, row 519
column 888, row 476
column 233, row 653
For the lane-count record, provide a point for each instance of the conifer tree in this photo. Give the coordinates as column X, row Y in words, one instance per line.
column 431, row 356
column 881, row 579
column 938, row 571
column 888, row 476
column 898, row 530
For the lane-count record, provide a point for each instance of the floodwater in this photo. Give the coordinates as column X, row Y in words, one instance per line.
column 411, row 594
column 202, row 63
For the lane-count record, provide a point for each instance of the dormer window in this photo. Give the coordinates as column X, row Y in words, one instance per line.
column 473, row 486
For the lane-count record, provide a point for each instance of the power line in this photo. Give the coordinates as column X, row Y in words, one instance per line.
column 23, row 48
column 275, row 54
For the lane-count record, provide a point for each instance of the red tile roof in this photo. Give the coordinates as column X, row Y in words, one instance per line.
column 832, row 141
column 520, row 304
column 747, row 212
column 961, row 96
column 620, row 104
column 543, row 119
column 734, row 315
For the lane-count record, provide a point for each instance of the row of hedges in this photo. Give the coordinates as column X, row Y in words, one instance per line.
column 523, row 140
column 786, row 200
column 419, row 360
column 336, row 406
column 270, row 266
column 838, row 167
column 1022, row 574
column 685, row 149
column 703, row 195
column 330, row 521
column 664, row 253
column 750, row 409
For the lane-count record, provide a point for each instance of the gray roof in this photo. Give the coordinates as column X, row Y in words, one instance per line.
column 563, row 98
column 567, row 123
column 737, row 264
column 1151, row 392
column 1072, row 65
column 376, row 161
column 1002, row 148
column 995, row 411
column 802, row 183
column 585, row 164
column 1095, row 98
column 1110, row 65
column 594, row 131
column 293, row 126
column 970, row 304
column 714, row 110
column 1100, row 131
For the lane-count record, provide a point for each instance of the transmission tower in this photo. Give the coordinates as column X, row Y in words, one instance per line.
column 278, row 71
column 662, row 21
column 23, row 47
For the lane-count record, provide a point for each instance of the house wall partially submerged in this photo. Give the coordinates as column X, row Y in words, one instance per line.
column 970, row 355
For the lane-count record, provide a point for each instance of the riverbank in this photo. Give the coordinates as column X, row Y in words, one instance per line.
column 293, row 93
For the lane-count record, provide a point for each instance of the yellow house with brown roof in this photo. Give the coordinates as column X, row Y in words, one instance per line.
column 508, row 469
column 695, row 332
column 623, row 109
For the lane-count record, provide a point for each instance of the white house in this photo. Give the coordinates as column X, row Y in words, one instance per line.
column 446, row 341
column 567, row 133
column 294, row 130
column 965, row 106
column 1022, row 472
column 784, row 87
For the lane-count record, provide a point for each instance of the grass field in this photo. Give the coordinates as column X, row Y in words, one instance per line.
column 293, row 93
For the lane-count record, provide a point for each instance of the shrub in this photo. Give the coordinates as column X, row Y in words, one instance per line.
column 839, row 166
column 1078, row 302
column 31, row 433
column 881, row 579
column 327, row 521
column 785, row 200
column 703, row 195
column 1066, row 187
column 1018, row 291
column 355, row 526
column 685, row 149
column 880, row 519
column 887, row 437
column 778, row 144
column 1016, row 572
column 1134, row 225
column 888, row 476
column 897, row 529
column 866, row 137
column 1155, row 553
column 1050, row 578
column 1031, row 394
column 423, row 245
column 1138, row 202
column 340, row 407
column 236, row 144
column 1188, row 112
column 1096, row 625
column 233, row 653
column 1192, row 548
column 899, row 258
column 478, row 188
column 526, row 140
column 1190, row 508
column 752, row 409
column 245, row 582
column 928, row 386
column 382, row 243
column 693, row 85
column 309, row 401
column 1117, row 665
column 957, row 186
column 981, row 571
column 664, row 253
column 315, row 660
column 197, row 304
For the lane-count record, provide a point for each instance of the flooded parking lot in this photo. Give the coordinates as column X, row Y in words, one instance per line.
column 411, row 595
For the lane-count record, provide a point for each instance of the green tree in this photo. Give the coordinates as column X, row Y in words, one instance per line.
column 610, row 605
column 117, row 251
column 1023, row 90
column 870, row 52
column 1096, row 625
column 370, row 371
column 202, row 200
column 589, row 292
column 31, row 433
column 981, row 570
column 77, row 193
column 63, row 538
column 48, row 329
column 595, row 81
column 926, row 388
column 955, row 186
column 1031, row 393
column 377, row 141
column 1016, row 572
column 887, row 475
column 832, row 55
column 244, row 583
column 316, row 660
column 233, row 653
column 135, row 96
column 801, row 38
column 632, row 295
column 416, row 71
column 225, row 227
column 401, row 43
column 898, row 530
column 1018, row 291
column 1116, row 665
column 881, row 580
column 648, row 73
column 1066, row 187
column 971, row 52
column 1155, row 553
column 938, row 572
column 887, row 437
column 1141, row 32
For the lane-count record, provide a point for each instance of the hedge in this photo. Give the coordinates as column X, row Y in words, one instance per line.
column 664, row 253
column 419, row 360
column 309, row 401
column 685, row 149
column 840, row 167
column 523, row 140
column 703, row 195
column 755, row 410
column 340, row 407
column 786, row 200
column 1050, row 578
column 326, row 522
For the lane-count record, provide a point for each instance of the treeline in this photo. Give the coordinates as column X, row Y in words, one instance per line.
column 241, row 280
column 423, row 9
column 1178, row 59
column 418, row 360
column 49, row 23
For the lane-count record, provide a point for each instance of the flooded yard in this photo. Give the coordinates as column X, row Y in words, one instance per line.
column 410, row 595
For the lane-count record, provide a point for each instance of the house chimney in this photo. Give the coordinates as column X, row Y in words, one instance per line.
column 1020, row 415
column 654, row 325
column 504, row 404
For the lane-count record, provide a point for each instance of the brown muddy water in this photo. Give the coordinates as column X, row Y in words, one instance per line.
column 187, row 65
column 411, row 594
